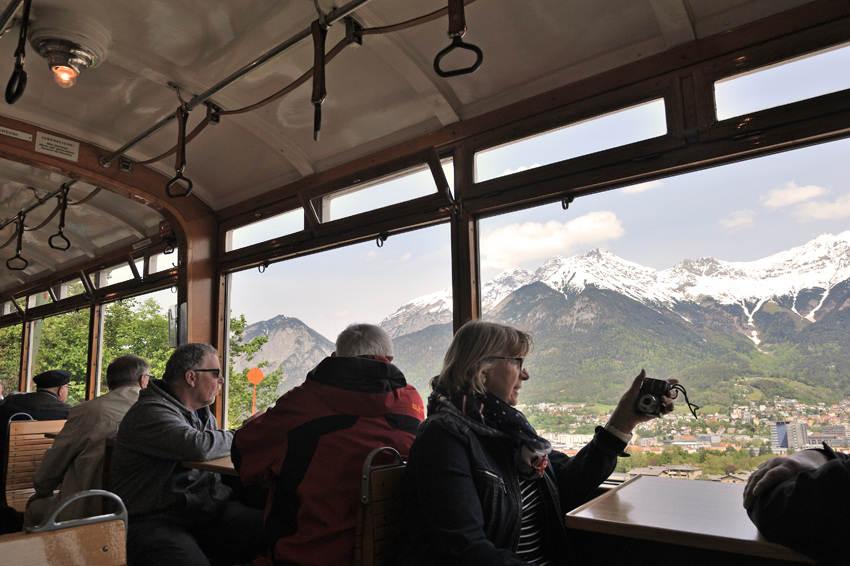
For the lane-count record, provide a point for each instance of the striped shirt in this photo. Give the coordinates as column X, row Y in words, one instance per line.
column 531, row 548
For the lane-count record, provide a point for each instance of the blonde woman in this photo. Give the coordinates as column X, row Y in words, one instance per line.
column 482, row 487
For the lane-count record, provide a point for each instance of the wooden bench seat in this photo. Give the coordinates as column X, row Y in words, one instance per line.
column 25, row 447
column 93, row 541
column 379, row 532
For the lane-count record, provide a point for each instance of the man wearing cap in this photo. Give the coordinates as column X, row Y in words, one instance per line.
column 47, row 402
column 76, row 458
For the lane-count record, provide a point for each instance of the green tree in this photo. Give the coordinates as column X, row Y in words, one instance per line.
column 240, row 390
column 136, row 327
column 10, row 358
column 63, row 344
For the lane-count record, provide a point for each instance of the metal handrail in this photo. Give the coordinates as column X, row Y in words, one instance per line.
column 331, row 18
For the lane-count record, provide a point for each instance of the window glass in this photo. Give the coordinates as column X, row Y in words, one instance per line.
column 69, row 289
column 268, row 229
column 731, row 279
column 10, row 358
column 383, row 192
column 61, row 342
column 121, row 273
column 285, row 321
column 162, row 262
column 784, row 83
column 139, row 326
column 605, row 132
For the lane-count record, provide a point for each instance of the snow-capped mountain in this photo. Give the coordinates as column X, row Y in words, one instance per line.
column 819, row 265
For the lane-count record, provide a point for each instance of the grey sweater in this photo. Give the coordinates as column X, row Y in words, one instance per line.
column 156, row 435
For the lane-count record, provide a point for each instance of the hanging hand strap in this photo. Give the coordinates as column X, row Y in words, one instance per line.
column 9, row 264
column 457, row 29
column 180, row 164
column 319, row 93
column 18, row 80
column 63, row 204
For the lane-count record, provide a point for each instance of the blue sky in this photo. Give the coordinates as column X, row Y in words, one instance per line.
column 739, row 212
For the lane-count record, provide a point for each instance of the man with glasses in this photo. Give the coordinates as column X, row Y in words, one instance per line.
column 75, row 461
column 180, row 515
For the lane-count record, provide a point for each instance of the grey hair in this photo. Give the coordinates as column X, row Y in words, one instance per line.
column 184, row 358
column 364, row 340
column 126, row 369
column 471, row 351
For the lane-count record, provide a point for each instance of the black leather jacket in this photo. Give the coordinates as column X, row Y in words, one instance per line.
column 462, row 499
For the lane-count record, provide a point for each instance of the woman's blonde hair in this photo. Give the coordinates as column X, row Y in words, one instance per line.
column 471, row 351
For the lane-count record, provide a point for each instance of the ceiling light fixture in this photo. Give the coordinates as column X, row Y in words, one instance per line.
column 70, row 43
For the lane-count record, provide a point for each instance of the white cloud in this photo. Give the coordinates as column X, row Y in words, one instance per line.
column 823, row 210
column 518, row 169
column 407, row 256
column 341, row 314
column 514, row 244
column 641, row 187
column 370, row 255
column 790, row 193
column 738, row 219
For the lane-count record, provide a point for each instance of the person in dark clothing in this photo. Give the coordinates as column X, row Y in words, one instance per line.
column 49, row 397
column 310, row 447
column 179, row 515
column 803, row 502
column 482, row 488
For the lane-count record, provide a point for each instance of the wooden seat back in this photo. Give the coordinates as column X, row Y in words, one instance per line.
column 93, row 541
column 379, row 532
column 25, row 447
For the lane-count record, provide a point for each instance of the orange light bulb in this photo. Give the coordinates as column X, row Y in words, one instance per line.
column 64, row 76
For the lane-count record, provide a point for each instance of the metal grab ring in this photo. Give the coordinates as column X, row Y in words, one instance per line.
column 17, row 84
column 567, row 201
column 177, row 178
column 11, row 259
column 59, row 235
column 458, row 43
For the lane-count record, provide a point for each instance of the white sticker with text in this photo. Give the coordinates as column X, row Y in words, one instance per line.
column 16, row 134
column 51, row 145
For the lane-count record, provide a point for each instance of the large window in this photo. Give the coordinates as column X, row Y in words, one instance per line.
column 285, row 321
column 732, row 279
column 10, row 358
column 139, row 326
column 61, row 342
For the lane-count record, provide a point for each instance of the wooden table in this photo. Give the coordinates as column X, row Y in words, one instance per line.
column 698, row 514
column 223, row 465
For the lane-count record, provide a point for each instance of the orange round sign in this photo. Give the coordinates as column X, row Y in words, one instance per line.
column 255, row 375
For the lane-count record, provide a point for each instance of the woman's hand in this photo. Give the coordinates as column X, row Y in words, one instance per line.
column 625, row 417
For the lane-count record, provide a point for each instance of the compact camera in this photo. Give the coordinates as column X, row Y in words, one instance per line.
column 650, row 394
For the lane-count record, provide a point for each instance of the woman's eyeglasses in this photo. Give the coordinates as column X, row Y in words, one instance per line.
column 519, row 361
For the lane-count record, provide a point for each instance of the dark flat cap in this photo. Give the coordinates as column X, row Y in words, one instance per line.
column 52, row 378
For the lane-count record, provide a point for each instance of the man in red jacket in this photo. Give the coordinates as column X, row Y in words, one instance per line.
column 310, row 447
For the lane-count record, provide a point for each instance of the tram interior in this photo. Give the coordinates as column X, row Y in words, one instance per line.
column 167, row 80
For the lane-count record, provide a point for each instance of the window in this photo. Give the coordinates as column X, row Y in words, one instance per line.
column 604, row 132
column 61, row 342
column 10, row 358
column 729, row 279
column 783, row 83
column 120, row 273
column 139, row 326
column 294, row 311
column 162, row 262
column 264, row 230
column 385, row 192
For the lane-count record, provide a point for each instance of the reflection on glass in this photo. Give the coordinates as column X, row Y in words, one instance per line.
column 605, row 132
column 294, row 311
column 790, row 81
column 162, row 262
